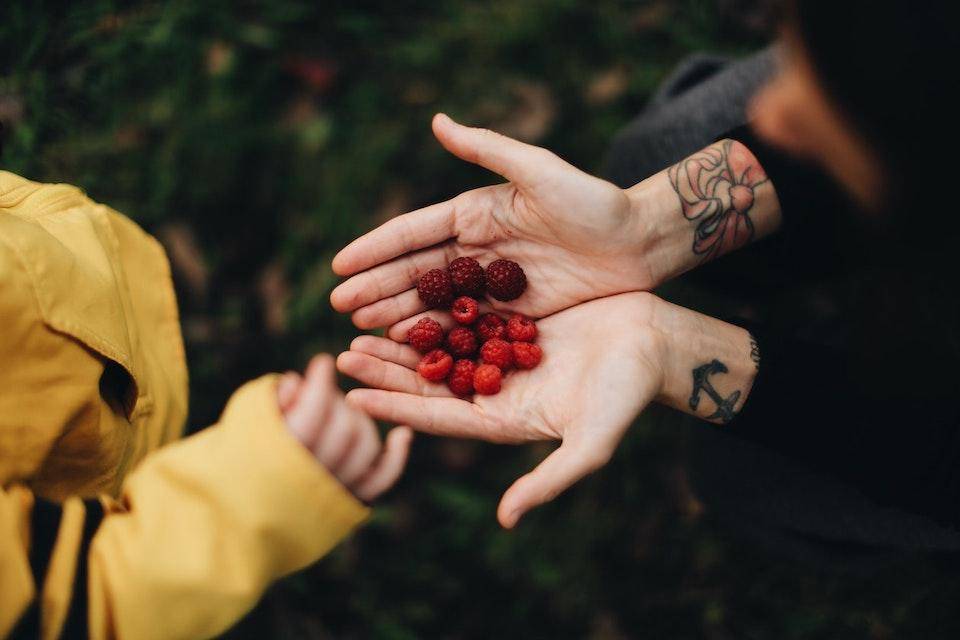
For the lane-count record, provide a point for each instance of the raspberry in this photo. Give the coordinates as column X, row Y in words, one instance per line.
column 490, row 326
column 505, row 280
column 465, row 310
column 467, row 277
column 461, row 378
column 435, row 289
column 526, row 355
column 462, row 342
column 435, row 365
column 427, row 334
column 486, row 380
column 520, row 328
column 498, row 353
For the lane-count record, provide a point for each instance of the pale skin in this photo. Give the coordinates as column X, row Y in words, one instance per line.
column 587, row 247
column 341, row 438
column 594, row 380
column 577, row 236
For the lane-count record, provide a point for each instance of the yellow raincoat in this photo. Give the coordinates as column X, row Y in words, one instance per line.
column 109, row 527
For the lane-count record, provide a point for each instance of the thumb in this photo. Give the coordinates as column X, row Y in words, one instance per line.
column 309, row 411
column 287, row 388
column 387, row 469
column 514, row 160
column 558, row 471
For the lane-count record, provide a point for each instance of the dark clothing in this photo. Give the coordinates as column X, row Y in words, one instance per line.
column 870, row 414
column 849, row 439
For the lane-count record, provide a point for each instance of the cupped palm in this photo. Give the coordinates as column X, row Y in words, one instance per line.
column 599, row 370
column 573, row 234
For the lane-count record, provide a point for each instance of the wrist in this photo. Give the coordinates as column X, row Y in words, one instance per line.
column 664, row 237
column 713, row 202
column 709, row 366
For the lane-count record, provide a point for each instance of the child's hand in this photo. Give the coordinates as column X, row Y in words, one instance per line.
column 343, row 439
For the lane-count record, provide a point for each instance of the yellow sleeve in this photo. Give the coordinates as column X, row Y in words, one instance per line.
column 203, row 526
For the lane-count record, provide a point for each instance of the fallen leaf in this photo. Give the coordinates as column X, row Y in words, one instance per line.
column 457, row 455
column 317, row 74
column 11, row 109
column 274, row 291
column 534, row 112
column 607, row 86
column 685, row 500
column 396, row 200
column 652, row 16
column 219, row 58
column 186, row 258
column 128, row 137
column 420, row 93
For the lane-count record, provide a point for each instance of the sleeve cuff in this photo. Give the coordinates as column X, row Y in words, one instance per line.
column 210, row 521
column 303, row 484
column 817, row 215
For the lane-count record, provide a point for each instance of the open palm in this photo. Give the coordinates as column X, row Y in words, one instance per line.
column 585, row 394
column 572, row 233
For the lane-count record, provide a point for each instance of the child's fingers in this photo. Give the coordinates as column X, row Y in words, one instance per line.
column 310, row 411
column 389, row 279
column 387, row 311
column 364, row 450
column 387, row 469
column 335, row 438
column 287, row 388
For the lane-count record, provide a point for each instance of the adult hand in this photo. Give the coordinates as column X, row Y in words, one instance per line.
column 576, row 236
column 343, row 439
column 601, row 367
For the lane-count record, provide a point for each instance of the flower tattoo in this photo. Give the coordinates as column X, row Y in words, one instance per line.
column 716, row 190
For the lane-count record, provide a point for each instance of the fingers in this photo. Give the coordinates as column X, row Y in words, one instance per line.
column 287, row 389
column 343, row 439
column 516, row 161
column 307, row 415
column 337, row 436
column 389, row 279
column 387, row 469
column 438, row 416
column 386, row 312
column 364, row 449
column 411, row 231
column 381, row 374
column 565, row 466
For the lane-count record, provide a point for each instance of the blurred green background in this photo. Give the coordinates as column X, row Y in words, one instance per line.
column 255, row 139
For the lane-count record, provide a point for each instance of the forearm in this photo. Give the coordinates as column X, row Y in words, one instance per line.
column 708, row 204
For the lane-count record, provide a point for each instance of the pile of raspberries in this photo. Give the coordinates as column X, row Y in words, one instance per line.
column 501, row 345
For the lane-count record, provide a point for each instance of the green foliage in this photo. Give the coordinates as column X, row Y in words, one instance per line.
column 257, row 138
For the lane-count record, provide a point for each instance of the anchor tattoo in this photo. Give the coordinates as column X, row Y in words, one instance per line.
column 701, row 382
